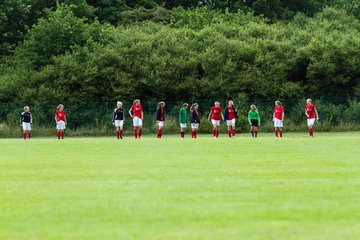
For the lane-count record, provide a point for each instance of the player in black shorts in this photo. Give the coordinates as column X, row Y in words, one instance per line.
column 254, row 120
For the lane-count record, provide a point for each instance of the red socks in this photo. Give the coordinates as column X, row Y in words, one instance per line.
column 117, row 134
column 229, row 133
column 193, row 133
column 233, row 132
column 136, row 133
column 277, row 133
column 159, row 133
column 182, row 134
column 311, row 132
column 24, row 135
column 58, row 135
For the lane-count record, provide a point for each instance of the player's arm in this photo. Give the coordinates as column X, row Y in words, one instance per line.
column 307, row 115
column 283, row 116
column 21, row 119
column 55, row 118
column 142, row 114
column 158, row 115
column 113, row 116
column 130, row 113
column 258, row 117
column 316, row 115
column 222, row 116
column 209, row 118
column 31, row 118
column 65, row 119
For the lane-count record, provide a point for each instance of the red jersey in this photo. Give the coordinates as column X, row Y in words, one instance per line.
column 216, row 113
column 231, row 111
column 60, row 115
column 136, row 110
column 310, row 110
column 278, row 112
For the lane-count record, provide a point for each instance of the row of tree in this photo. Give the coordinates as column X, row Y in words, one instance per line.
column 69, row 55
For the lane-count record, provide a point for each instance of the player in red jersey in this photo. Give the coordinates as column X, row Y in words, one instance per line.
column 60, row 119
column 137, row 114
column 160, row 117
column 312, row 114
column 230, row 117
column 278, row 118
column 215, row 115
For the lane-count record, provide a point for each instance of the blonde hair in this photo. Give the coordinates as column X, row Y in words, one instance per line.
column 160, row 104
column 232, row 102
column 59, row 106
column 185, row 105
column 252, row 105
column 309, row 100
column 26, row 108
column 279, row 103
column 136, row 101
column 217, row 103
column 193, row 106
column 119, row 103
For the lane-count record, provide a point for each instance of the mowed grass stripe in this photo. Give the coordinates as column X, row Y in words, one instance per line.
column 293, row 188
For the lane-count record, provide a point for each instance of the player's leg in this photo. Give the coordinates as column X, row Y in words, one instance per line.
column 117, row 132
column 229, row 127
column 256, row 131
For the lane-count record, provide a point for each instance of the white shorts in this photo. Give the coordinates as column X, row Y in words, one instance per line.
column 231, row 122
column 119, row 123
column 195, row 126
column 310, row 122
column 137, row 122
column 182, row 125
column 215, row 122
column 160, row 123
column 278, row 123
column 60, row 125
column 26, row 126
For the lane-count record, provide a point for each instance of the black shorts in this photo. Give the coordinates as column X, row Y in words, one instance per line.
column 254, row 122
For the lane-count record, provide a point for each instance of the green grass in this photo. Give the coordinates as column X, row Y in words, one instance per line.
column 291, row 188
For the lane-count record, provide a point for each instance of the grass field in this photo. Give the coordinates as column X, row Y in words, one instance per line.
column 100, row 188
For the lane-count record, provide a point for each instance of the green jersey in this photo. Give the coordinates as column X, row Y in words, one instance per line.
column 254, row 114
column 183, row 116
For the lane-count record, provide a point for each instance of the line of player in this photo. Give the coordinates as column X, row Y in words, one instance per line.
column 215, row 116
